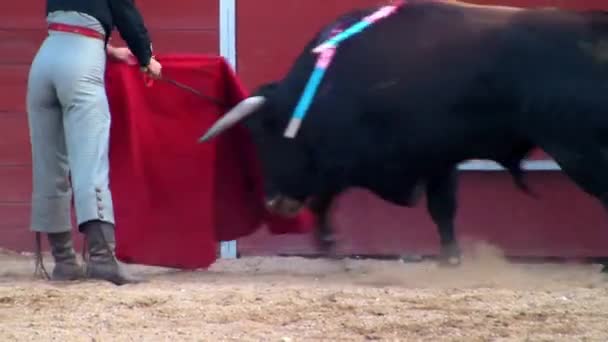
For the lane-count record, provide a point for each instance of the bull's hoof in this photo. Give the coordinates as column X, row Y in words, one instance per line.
column 450, row 256
column 326, row 245
column 450, row 261
column 605, row 269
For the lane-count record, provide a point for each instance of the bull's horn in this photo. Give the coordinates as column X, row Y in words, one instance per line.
column 236, row 114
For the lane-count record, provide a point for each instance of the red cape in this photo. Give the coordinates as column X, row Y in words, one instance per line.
column 174, row 198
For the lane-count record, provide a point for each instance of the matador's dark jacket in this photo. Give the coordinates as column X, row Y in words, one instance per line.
column 121, row 14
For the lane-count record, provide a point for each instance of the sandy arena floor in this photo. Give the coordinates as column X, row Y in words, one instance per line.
column 294, row 299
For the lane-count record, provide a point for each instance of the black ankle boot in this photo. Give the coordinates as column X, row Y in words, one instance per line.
column 102, row 263
column 66, row 265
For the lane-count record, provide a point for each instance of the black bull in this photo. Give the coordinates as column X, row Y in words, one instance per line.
column 436, row 84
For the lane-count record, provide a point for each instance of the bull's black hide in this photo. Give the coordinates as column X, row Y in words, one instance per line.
column 434, row 85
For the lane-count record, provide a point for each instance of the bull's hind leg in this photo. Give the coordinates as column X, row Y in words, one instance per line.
column 442, row 205
column 588, row 168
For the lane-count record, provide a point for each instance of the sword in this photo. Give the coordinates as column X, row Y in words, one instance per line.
column 193, row 91
column 147, row 80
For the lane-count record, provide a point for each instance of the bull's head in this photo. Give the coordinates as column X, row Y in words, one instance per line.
column 283, row 162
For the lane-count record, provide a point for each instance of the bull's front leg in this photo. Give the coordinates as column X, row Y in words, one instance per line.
column 442, row 205
column 321, row 206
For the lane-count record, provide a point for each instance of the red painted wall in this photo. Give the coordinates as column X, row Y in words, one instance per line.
column 183, row 26
column 564, row 222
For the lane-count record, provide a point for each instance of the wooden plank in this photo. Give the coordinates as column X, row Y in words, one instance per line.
column 181, row 15
column 14, row 227
column 15, row 142
column 24, row 14
column 172, row 41
column 18, row 46
column 13, row 86
column 15, row 184
column 13, row 77
column 14, row 216
column 260, row 60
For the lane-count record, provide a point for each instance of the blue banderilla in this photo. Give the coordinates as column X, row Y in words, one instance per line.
column 327, row 51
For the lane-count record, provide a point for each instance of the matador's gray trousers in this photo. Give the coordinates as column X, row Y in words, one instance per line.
column 69, row 122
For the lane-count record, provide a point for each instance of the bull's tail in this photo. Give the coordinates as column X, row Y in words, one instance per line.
column 513, row 163
column 519, row 179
